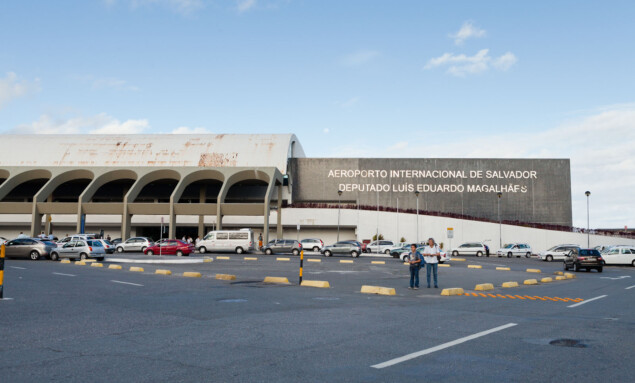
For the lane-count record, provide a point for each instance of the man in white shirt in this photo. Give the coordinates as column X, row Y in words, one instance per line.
column 430, row 254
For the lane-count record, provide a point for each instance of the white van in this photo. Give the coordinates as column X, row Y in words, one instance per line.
column 239, row 241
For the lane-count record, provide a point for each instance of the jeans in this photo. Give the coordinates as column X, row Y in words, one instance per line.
column 414, row 276
column 434, row 267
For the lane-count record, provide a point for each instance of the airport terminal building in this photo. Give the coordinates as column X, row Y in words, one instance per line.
column 131, row 185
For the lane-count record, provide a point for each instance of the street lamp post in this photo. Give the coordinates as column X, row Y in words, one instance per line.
column 500, row 226
column 588, row 233
column 339, row 206
column 417, row 195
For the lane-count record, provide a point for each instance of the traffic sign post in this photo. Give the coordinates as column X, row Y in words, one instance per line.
column 2, row 252
column 301, row 264
column 450, row 236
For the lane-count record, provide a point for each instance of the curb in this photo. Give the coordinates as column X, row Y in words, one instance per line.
column 319, row 284
column 503, row 268
column 137, row 269
column 283, row 259
column 96, row 264
column 546, row 280
column 560, row 278
column 313, row 260
column 378, row 262
column 452, row 291
column 250, row 258
column 226, row 277
column 533, row 271
column 510, row 284
column 530, row 282
column 345, row 261
column 474, row 266
column 163, row 272
column 484, row 287
column 279, row 280
column 115, row 267
column 192, row 274
column 378, row 290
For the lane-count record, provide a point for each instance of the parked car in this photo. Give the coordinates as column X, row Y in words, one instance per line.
column 135, row 244
column 583, row 259
column 365, row 243
column 238, row 241
column 82, row 249
column 515, row 249
column 558, row 252
column 3, row 240
column 171, row 247
column 31, row 248
column 470, row 248
column 397, row 251
column 108, row 246
column 619, row 255
column 352, row 248
column 314, row 244
column 74, row 237
column 444, row 255
column 380, row 246
column 116, row 241
column 283, row 246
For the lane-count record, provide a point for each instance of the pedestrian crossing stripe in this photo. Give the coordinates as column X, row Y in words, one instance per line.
column 523, row 297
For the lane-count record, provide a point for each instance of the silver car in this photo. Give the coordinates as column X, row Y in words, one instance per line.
column 135, row 244
column 82, row 249
column 343, row 247
column 31, row 248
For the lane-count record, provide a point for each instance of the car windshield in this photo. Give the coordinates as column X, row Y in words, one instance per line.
column 509, row 246
column 95, row 243
column 593, row 252
column 107, row 242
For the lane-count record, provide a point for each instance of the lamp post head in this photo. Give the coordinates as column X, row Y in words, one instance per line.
column 499, row 194
column 339, row 192
column 587, row 193
column 417, row 193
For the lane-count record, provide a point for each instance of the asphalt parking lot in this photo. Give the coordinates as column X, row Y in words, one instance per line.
column 69, row 322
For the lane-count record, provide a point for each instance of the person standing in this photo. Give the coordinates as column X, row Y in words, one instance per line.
column 414, row 259
column 430, row 254
column 260, row 241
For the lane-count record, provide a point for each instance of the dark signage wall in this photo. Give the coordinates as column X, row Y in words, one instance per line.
column 533, row 190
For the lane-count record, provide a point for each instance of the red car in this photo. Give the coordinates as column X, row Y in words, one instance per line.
column 170, row 247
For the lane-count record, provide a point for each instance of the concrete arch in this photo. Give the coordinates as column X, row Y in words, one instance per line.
column 193, row 177
column 105, row 178
column 58, row 180
column 20, row 178
column 147, row 178
column 244, row 175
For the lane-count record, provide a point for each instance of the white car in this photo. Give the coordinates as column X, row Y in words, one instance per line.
column 134, row 244
column 380, row 246
column 312, row 244
column 619, row 255
column 470, row 248
column 515, row 249
column 558, row 252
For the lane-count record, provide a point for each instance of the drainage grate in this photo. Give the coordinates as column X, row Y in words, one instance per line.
column 567, row 343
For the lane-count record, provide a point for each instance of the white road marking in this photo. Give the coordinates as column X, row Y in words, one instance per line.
column 622, row 277
column 417, row 354
column 126, row 283
column 19, row 268
column 630, row 287
column 6, row 299
column 588, row 300
column 66, row 275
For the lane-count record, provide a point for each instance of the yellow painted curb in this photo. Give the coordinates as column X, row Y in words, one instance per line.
column 546, row 280
column 458, row 259
column 89, row 260
column 226, row 277
column 314, row 260
column 283, row 259
column 65, row 261
column 137, row 269
column 345, row 261
column 484, row 287
column 222, row 257
column 474, row 266
column 452, row 291
column 560, row 278
column 115, row 267
column 441, row 265
column 533, row 270
column 406, row 263
column 378, row 262
column 97, row 265
column 510, row 284
column 207, row 260
column 282, row 280
column 250, row 259
column 503, row 268
column 569, row 275
column 320, row 284
column 81, row 263
column 530, row 282
column 163, row 272
column 378, row 290
column 558, row 273
column 192, row 274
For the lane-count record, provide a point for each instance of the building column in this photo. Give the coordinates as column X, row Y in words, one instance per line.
column 172, row 222
column 201, row 218
column 219, row 216
column 266, row 222
column 126, row 220
column 279, row 231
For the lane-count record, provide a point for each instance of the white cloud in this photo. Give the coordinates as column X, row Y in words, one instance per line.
column 467, row 31
column 12, row 87
column 462, row 65
column 600, row 146
column 358, row 58
column 188, row 130
column 326, row 130
column 112, row 83
column 99, row 124
column 245, row 5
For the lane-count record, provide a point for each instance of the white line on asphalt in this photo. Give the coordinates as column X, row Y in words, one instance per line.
column 587, row 301
column 417, row 354
column 19, row 268
column 616, row 278
column 126, row 283
column 630, row 287
column 66, row 275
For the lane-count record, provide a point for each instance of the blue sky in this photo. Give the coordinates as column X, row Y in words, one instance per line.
column 350, row 78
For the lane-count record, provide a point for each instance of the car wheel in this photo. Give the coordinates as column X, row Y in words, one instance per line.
column 528, row 255
column 239, row 250
column 576, row 267
column 268, row 251
column 599, row 269
column 588, row 269
column 354, row 254
column 179, row 253
column 479, row 253
column 144, row 248
column 509, row 255
column 83, row 256
column 150, row 252
column 327, row 253
column 549, row 258
column 316, row 249
column 202, row 250
column 455, row 253
column 633, row 263
column 565, row 267
column 54, row 257
column 120, row 249
column 296, row 252
column 387, row 252
column 100, row 259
